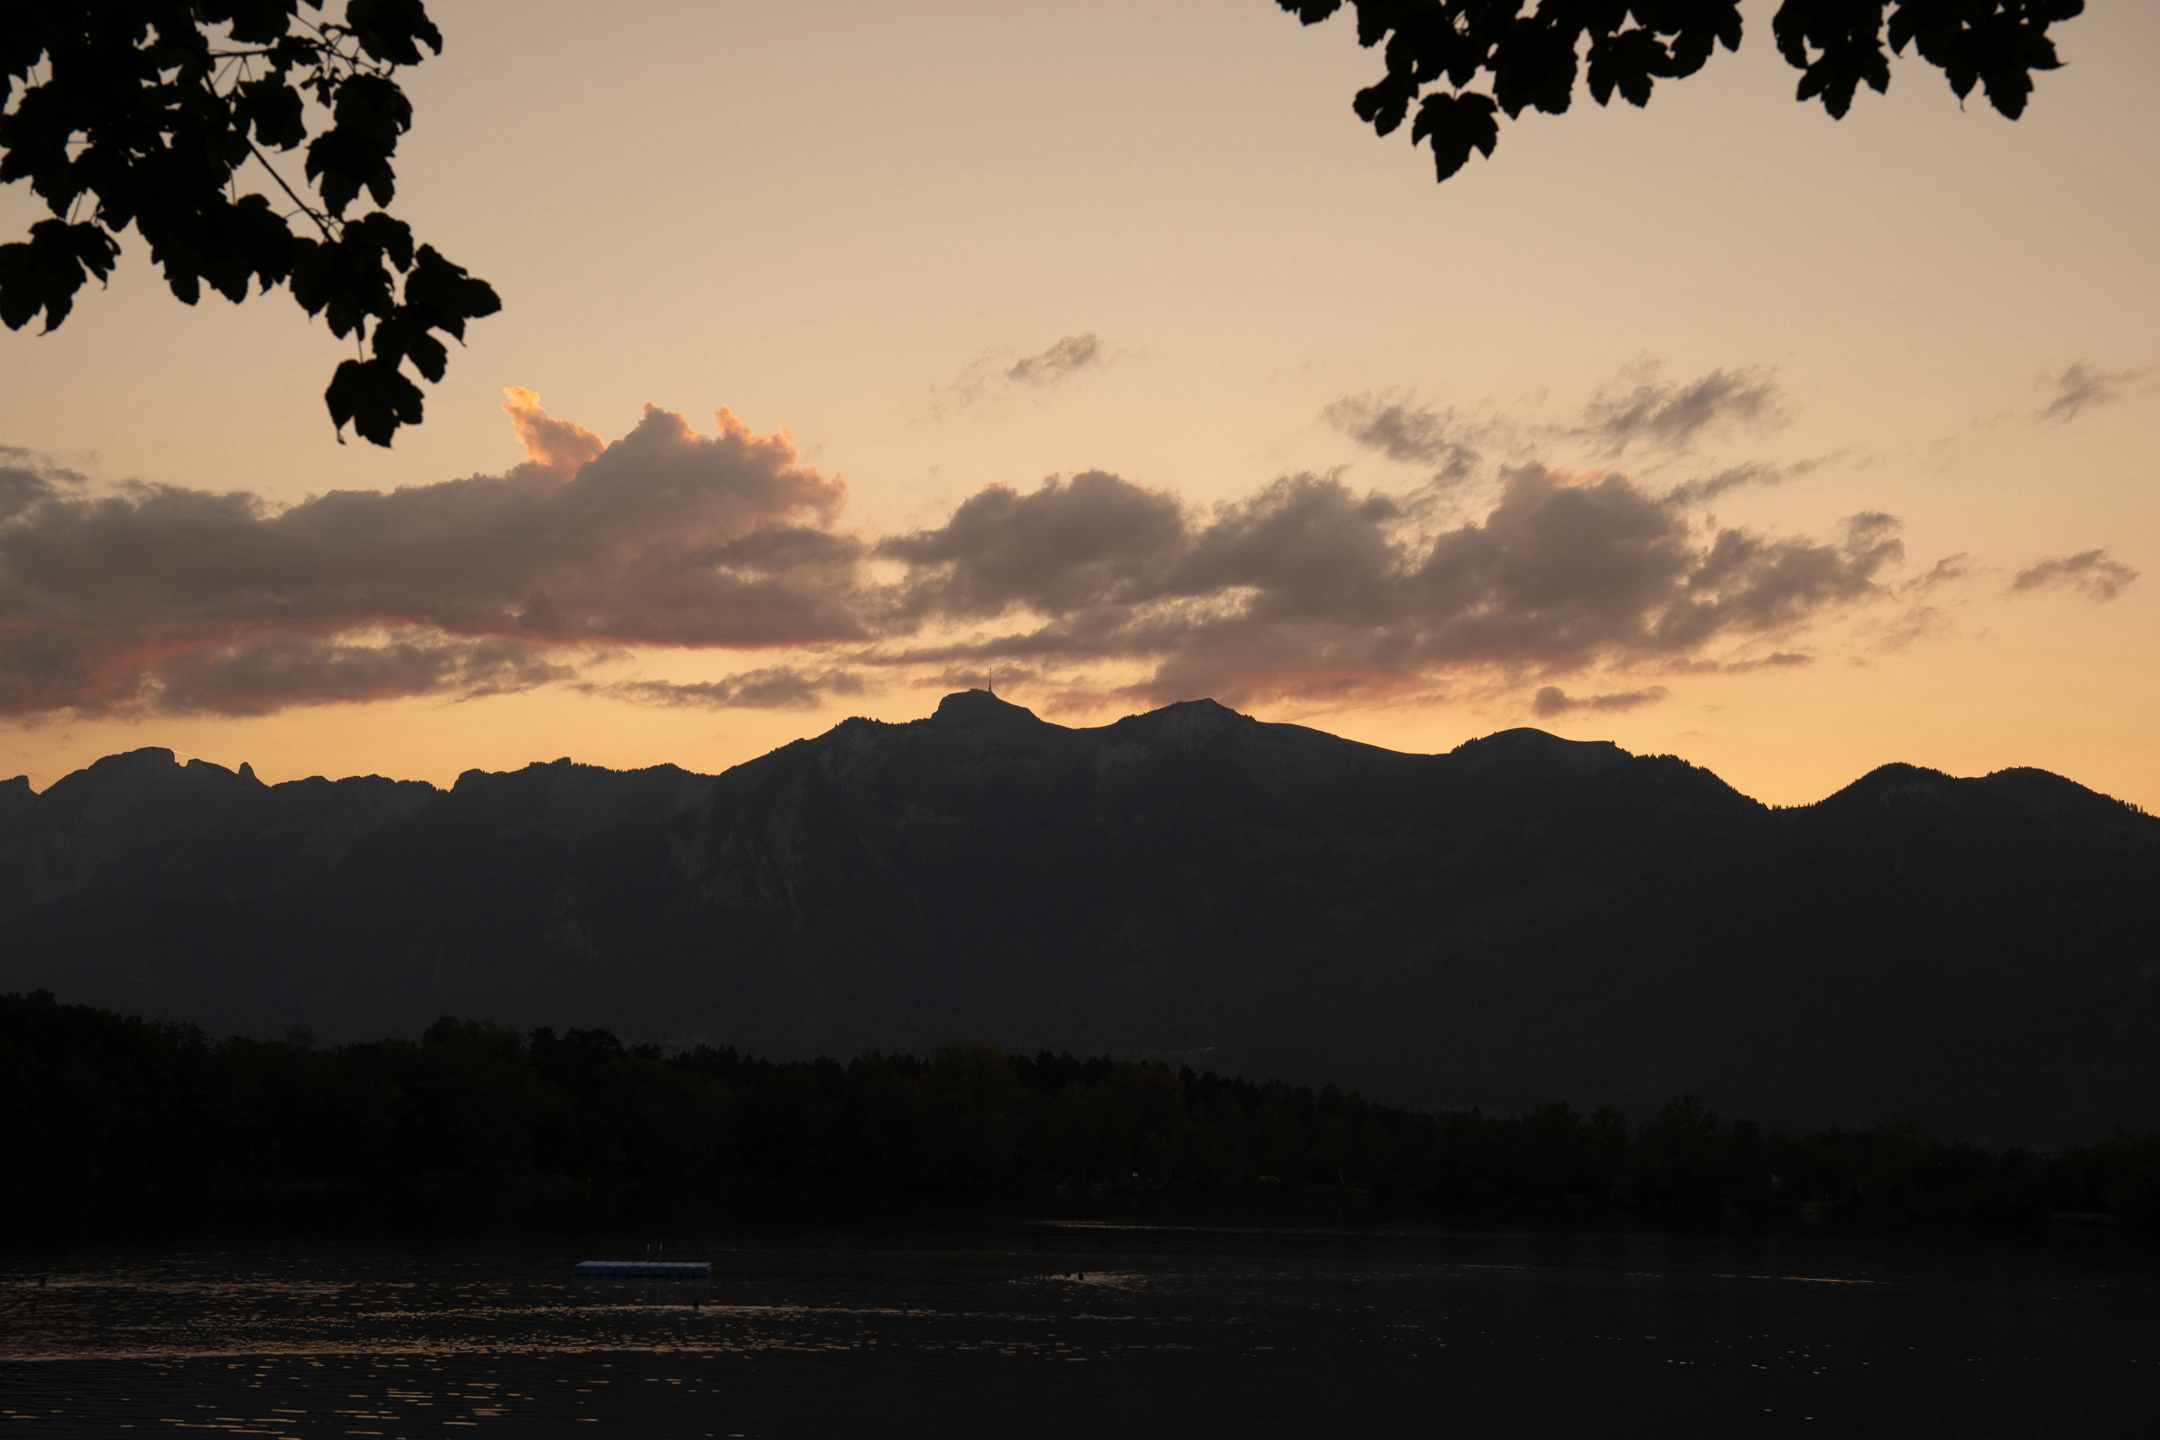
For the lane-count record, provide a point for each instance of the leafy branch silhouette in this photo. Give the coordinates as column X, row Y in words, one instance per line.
column 1531, row 56
column 147, row 112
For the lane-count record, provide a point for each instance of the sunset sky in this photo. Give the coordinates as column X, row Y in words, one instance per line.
column 853, row 353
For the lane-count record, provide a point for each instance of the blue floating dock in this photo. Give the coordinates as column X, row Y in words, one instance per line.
column 643, row 1269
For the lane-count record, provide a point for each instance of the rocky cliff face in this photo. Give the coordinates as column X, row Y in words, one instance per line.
column 1524, row 918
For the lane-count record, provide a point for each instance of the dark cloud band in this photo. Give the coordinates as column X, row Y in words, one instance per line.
column 1311, row 588
column 146, row 598
column 1552, row 701
column 777, row 687
column 154, row 596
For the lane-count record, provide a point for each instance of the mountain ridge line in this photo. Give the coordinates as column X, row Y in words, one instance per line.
column 1521, row 917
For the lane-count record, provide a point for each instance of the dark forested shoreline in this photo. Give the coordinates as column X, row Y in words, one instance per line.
column 105, row 1118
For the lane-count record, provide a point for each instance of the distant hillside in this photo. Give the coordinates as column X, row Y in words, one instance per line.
column 1521, row 919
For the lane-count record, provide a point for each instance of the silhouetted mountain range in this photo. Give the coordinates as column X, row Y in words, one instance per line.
column 1524, row 918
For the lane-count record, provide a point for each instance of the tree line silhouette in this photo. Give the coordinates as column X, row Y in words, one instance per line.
column 102, row 1114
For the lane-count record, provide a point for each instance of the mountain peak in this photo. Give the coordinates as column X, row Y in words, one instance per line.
column 148, row 760
column 1189, row 722
column 1574, row 757
column 977, row 705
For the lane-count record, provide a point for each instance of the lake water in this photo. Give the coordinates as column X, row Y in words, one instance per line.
column 1040, row 1329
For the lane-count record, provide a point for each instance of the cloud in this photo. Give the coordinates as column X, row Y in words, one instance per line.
column 155, row 597
column 1636, row 409
column 1750, row 474
column 997, row 372
column 1553, row 701
column 1404, row 430
column 1067, row 358
column 2080, row 387
column 27, row 477
column 2091, row 573
column 780, row 687
column 1945, row 571
column 272, row 672
column 133, row 669
column 143, row 599
column 1309, row 588
column 1066, row 545
column 1917, row 623
column 1776, row 660
column 1641, row 409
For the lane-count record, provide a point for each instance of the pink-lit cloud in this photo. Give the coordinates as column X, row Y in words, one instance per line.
column 148, row 598
column 139, row 596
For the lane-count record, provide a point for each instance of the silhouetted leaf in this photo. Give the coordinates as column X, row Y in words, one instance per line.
column 254, row 22
column 345, row 280
column 245, row 240
column 374, row 397
column 404, row 336
column 1383, row 106
column 45, row 272
column 371, row 113
column 1625, row 62
column 1534, row 65
column 1456, row 125
column 393, row 30
column 445, row 295
column 1835, row 44
column 275, row 110
column 381, row 236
